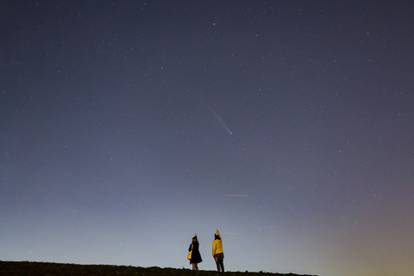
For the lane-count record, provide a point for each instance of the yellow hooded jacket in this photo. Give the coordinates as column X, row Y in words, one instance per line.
column 217, row 247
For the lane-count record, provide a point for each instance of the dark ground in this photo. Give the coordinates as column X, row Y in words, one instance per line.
column 57, row 269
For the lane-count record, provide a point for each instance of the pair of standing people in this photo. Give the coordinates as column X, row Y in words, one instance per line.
column 217, row 251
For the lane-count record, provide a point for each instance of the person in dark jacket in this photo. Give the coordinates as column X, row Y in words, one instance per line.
column 195, row 253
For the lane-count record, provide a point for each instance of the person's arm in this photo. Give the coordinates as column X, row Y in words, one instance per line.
column 189, row 249
column 214, row 247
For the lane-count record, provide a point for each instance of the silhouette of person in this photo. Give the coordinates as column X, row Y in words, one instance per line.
column 195, row 253
column 218, row 253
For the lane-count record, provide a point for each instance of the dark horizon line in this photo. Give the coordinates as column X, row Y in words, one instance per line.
column 150, row 267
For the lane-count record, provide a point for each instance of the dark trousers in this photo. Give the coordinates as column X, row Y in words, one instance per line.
column 219, row 262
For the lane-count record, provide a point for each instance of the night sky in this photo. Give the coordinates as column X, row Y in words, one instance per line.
column 128, row 126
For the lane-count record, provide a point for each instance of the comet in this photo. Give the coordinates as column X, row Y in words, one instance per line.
column 220, row 120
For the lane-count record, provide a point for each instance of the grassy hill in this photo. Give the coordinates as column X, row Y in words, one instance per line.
column 57, row 269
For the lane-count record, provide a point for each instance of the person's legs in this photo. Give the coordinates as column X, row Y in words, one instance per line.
column 221, row 262
column 216, row 259
column 222, row 265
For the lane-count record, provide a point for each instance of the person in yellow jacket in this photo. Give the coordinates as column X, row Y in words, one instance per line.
column 218, row 253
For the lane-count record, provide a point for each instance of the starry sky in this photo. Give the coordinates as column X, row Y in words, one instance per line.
column 128, row 126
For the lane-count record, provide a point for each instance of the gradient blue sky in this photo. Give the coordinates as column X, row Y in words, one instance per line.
column 127, row 126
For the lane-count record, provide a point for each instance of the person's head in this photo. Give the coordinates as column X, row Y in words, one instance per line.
column 217, row 237
column 217, row 233
column 195, row 238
